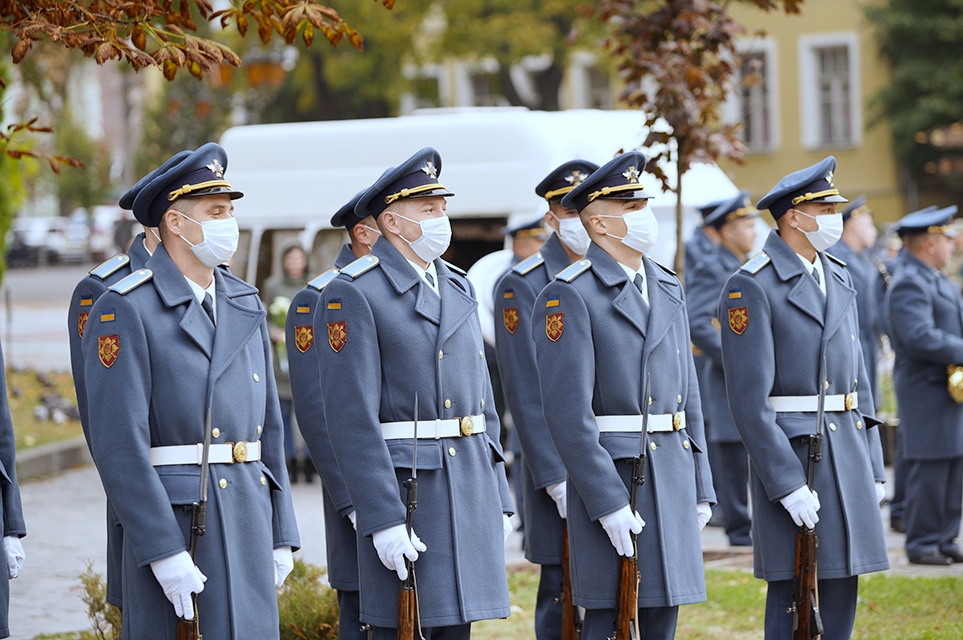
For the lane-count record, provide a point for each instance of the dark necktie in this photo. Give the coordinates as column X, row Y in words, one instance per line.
column 815, row 273
column 639, row 284
column 208, row 305
column 430, row 280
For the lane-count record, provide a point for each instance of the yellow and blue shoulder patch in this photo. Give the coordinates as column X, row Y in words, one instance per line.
column 528, row 264
column 107, row 315
column 735, row 293
column 109, row 266
column 361, row 265
column 320, row 281
column 131, row 282
column 551, row 301
column 508, row 294
column 334, row 303
column 841, row 263
column 756, row 263
column 455, row 268
column 302, row 308
column 573, row 270
column 87, row 301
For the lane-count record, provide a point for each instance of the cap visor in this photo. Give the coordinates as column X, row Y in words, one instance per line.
column 628, row 195
column 831, row 199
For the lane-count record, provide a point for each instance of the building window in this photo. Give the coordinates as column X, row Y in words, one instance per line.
column 832, row 114
column 600, row 93
column 754, row 101
column 426, row 92
column 834, row 96
column 485, row 89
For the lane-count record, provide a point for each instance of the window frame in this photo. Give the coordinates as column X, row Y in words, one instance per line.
column 809, row 95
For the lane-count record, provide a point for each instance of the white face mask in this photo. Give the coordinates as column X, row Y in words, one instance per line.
column 572, row 234
column 220, row 241
column 434, row 240
column 641, row 229
column 829, row 229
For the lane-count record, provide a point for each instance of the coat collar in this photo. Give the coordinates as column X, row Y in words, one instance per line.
column 804, row 294
column 138, row 253
column 345, row 257
column 395, row 267
column 554, row 255
column 236, row 322
column 840, row 296
column 728, row 260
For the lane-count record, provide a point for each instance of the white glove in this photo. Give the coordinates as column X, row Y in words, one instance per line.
column 15, row 555
column 880, row 492
column 179, row 577
column 507, row 527
column 557, row 493
column 618, row 525
column 353, row 517
column 703, row 513
column 393, row 546
column 283, row 564
column 802, row 504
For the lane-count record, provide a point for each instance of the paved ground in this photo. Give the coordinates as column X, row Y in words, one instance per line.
column 65, row 519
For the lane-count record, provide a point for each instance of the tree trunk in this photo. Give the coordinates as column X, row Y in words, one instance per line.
column 507, row 87
column 547, row 83
column 679, row 243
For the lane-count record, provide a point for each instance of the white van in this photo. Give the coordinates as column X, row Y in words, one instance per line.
column 296, row 175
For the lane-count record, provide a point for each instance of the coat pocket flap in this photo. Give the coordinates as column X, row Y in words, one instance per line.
column 183, row 487
column 429, row 454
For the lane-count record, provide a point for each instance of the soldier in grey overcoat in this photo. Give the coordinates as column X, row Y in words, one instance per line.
column 172, row 348
column 599, row 332
column 543, row 478
column 783, row 312
column 303, row 349
column 926, row 323
column 734, row 220
column 11, row 509
column 396, row 323
column 859, row 236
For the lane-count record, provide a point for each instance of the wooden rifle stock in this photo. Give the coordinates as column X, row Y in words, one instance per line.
column 571, row 621
column 406, row 609
column 189, row 629
column 627, row 603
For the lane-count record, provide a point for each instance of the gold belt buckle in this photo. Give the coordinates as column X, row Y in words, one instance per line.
column 677, row 421
column 466, row 425
column 240, row 451
column 850, row 401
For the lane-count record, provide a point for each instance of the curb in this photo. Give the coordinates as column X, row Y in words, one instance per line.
column 52, row 458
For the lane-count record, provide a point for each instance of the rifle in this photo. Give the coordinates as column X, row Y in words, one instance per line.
column 571, row 618
column 190, row 629
column 627, row 600
column 807, row 623
column 408, row 614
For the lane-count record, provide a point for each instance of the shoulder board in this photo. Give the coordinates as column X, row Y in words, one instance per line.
column 361, row 265
column 132, row 281
column 320, row 281
column 841, row 263
column 665, row 268
column 110, row 265
column 456, row 269
column 573, row 270
column 756, row 263
column 528, row 264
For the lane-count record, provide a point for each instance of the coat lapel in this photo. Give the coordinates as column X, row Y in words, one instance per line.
column 665, row 301
column 403, row 277
column 840, row 297
column 457, row 305
column 174, row 291
column 804, row 294
column 236, row 323
column 627, row 301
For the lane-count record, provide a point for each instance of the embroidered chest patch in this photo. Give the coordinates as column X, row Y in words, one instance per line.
column 738, row 320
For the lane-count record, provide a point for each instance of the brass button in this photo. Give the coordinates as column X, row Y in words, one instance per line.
column 448, row 404
column 215, row 432
column 652, row 446
column 832, row 426
column 827, row 384
column 263, row 481
column 451, row 451
column 257, row 378
column 685, row 444
column 441, row 354
column 859, row 424
column 677, row 352
column 483, row 404
column 481, row 354
column 679, row 400
column 853, row 336
column 222, row 484
column 850, row 402
column 258, row 429
column 677, row 421
column 650, row 401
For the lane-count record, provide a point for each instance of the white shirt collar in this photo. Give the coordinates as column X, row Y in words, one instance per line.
column 199, row 292
column 421, row 274
column 815, row 266
column 631, row 273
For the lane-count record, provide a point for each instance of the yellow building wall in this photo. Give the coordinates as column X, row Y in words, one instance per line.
column 869, row 168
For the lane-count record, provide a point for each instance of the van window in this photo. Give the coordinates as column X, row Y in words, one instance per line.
column 474, row 238
column 324, row 250
column 269, row 253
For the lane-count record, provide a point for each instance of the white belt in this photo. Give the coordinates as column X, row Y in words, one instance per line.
column 810, row 404
column 434, row 429
column 227, row 453
column 633, row 424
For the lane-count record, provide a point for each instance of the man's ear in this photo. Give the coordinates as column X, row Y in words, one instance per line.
column 388, row 222
column 173, row 221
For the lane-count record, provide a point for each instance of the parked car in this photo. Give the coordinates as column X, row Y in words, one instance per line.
column 37, row 241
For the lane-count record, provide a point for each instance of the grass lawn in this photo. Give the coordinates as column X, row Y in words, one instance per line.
column 890, row 607
column 25, row 392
